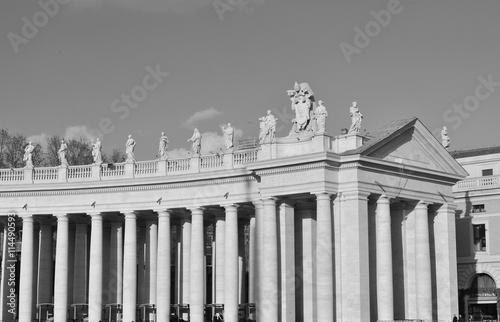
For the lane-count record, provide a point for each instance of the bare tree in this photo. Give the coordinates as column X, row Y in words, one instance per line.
column 80, row 152
column 51, row 151
column 14, row 150
column 117, row 156
column 4, row 135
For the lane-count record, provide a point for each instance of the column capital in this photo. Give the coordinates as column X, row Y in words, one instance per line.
column 196, row 211
column 269, row 201
column 130, row 215
column 448, row 207
column 323, row 195
column 61, row 217
column 257, row 203
column 422, row 204
column 384, row 199
column 355, row 195
column 95, row 216
column 164, row 212
column 27, row 218
column 230, row 207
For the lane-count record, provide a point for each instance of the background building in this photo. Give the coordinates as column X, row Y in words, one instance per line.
column 478, row 232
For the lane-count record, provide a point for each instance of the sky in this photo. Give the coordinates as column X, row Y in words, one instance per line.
column 141, row 67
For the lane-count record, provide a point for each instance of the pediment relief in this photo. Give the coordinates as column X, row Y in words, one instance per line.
column 416, row 146
column 407, row 149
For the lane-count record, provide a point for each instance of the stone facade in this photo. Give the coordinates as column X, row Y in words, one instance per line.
column 348, row 228
column 478, row 224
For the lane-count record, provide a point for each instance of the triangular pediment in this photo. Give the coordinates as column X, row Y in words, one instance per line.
column 411, row 143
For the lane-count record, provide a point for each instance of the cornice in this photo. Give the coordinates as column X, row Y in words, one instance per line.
column 300, row 167
column 136, row 187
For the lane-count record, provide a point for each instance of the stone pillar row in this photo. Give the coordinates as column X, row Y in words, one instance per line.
column 271, row 250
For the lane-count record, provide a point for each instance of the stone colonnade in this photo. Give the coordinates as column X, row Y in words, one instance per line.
column 354, row 256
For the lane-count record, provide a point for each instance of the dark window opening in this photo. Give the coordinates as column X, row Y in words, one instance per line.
column 478, row 208
column 487, row 172
column 479, row 237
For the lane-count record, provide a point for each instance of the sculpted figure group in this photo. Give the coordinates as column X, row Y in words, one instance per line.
column 310, row 119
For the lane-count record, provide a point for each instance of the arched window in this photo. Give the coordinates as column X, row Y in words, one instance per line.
column 483, row 285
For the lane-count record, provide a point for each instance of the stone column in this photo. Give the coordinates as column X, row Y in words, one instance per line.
column 61, row 273
column 385, row 300
column 116, row 261
column 446, row 261
column 287, row 259
column 163, row 277
column 45, row 266
column 95, row 269
column 186, row 260
column 306, row 272
column 269, row 302
column 130, row 268
column 423, row 262
column 324, row 257
column 141, row 264
column 220, row 228
column 26, row 279
column 252, row 261
column 355, row 295
column 151, row 260
column 197, row 266
column 259, row 227
column 231, row 280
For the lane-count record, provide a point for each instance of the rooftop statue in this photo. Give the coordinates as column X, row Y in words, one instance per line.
column 267, row 128
column 129, row 150
column 303, row 103
column 163, row 147
column 446, row 140
column 196, row 139
column 356, row 118
column 28, row 155
column 320, row 113
column 96, row 151
column 62, row 153
column 228, row 136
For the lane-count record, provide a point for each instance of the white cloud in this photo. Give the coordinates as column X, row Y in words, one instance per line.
column 176, row 6
column 199, row 117
column 210, row 142
column 39, row 138
column 80, row 131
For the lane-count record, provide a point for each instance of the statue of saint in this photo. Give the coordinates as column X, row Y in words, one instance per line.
column 196, row 139
column 445, row 138
column 302, row 99
column 163, row 147
column 356, row 118
column 321, row 115
column 267, row 128
column 96, row 151
column 228, row 136
column 62, row 153
column 129, row 150
column 28, row 155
